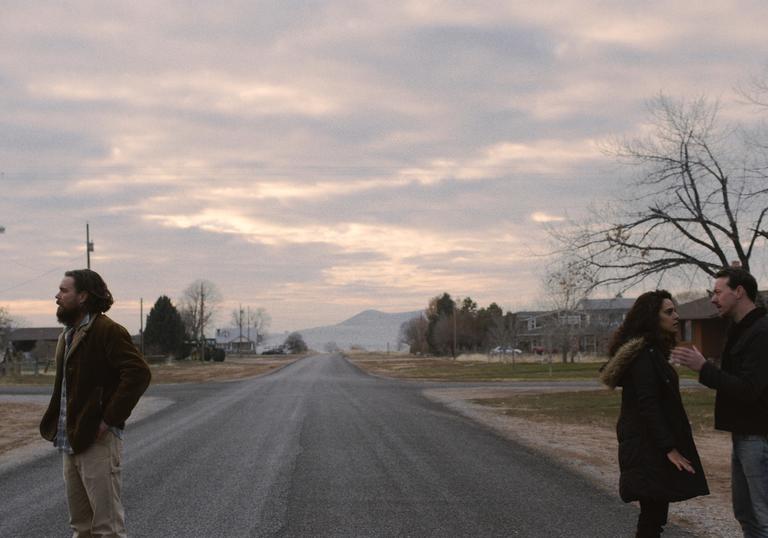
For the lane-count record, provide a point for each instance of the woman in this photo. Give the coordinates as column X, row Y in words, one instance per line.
column 657, row 457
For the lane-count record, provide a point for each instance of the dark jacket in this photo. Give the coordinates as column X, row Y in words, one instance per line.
column 741, row 404
column 106, row 376
column 651, row 423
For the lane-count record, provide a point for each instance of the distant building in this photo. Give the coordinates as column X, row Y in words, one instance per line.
column 40, row 341
column 33, row 346
column 587, row 328
column 229, row 339
column 600, row 319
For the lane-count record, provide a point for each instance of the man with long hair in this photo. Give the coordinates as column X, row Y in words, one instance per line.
column 100, row 377
column 741, row 404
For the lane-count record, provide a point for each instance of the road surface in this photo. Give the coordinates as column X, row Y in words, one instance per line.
column 320, row 448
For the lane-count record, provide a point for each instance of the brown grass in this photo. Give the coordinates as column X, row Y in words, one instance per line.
column 597, row 408
column 182, row 371
column 479, row 367
column 19, row 424
column 200, row 372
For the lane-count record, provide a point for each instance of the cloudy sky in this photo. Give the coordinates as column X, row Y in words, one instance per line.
column 318, row 158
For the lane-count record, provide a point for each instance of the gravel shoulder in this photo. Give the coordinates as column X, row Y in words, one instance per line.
column 592, row 452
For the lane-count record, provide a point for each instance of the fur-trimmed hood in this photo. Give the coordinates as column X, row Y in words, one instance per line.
column 613, row 370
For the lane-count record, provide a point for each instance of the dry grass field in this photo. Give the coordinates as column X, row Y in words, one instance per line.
column 19, row 421
column 184, row 371
column 478, row 367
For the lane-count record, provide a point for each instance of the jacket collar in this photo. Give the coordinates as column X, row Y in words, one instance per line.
column 613, row 370
column 80, row 333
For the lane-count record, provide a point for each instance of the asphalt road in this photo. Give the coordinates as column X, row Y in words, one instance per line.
column 320, row 448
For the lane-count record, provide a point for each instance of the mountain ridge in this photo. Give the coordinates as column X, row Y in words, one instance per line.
column 369, row 329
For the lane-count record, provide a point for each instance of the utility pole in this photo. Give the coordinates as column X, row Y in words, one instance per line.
column 240, row 327
column 141, row 323
column 88, row 245
column 454, row 331
column 201, row 342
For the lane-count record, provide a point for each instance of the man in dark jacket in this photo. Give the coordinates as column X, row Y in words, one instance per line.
column 100, row 377
column 741, row 405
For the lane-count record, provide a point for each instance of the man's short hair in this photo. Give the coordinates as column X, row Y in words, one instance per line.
column 99, row 297
column 739, row 277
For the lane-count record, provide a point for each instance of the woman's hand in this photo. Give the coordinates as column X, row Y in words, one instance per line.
column 679, row 461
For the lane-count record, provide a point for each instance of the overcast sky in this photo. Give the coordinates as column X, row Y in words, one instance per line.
column 321, row 158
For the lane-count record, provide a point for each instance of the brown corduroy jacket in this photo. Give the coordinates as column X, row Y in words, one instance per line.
column 106, row 376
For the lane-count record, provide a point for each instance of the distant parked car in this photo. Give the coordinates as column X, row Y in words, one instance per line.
column 278, row 350
column 499, row 350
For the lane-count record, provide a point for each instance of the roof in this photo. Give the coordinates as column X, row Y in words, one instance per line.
column 697, row 309
column 704, row 309
column 35, row 334
column 229, row 335
column 525, row 314
column 614, row 303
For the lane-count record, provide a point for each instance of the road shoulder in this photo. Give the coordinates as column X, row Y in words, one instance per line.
column 592, row 453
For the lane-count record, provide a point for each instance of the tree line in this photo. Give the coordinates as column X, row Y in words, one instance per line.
column 177, row 331
column 450, row 327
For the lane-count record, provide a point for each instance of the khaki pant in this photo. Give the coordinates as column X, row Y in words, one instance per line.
column 93, row 484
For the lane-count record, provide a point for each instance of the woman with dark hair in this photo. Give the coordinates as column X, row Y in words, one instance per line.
column 658, row 461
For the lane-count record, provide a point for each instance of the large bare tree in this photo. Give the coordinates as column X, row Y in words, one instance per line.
column 199, row 303
column 698, row 203
column 566, row 283
column 258, row 321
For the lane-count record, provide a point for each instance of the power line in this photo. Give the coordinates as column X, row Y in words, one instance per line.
column 20, row 284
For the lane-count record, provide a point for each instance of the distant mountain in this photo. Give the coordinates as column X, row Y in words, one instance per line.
column 370, row 329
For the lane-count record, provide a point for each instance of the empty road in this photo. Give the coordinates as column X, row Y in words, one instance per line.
column 320, row 448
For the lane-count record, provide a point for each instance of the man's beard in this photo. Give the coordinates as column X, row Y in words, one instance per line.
column 67, row 316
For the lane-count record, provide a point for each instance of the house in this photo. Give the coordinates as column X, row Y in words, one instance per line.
column 586, row 328
column 231, row 341
column 600, row 318
column 38, row 341
column 701, row 326
column 31, row 347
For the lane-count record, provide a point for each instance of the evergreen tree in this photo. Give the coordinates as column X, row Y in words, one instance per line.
column 165, row 328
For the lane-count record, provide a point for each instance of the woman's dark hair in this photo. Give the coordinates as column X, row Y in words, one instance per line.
column 642, row 321
column 99, row 298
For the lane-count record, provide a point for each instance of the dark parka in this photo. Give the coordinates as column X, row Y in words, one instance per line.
column 652, row 422
column 106, row 376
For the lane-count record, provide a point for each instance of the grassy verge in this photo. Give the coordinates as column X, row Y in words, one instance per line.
column 599, row 408
column 179, row 372
column 444, row 369
column 27, row 379
column 199, row 372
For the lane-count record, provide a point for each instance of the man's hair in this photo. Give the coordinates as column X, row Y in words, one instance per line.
column 99, row 297
column 739, row 277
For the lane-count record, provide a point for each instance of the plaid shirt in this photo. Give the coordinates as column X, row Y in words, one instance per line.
column 62, row 441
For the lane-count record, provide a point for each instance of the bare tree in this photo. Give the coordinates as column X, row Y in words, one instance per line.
column 699, row 202
column 199, row 304
column 239, row 320
column 413, row 333
column 501, row 333
column 566, row 284
column 259, row 320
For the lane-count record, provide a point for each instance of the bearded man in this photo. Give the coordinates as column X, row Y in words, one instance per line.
column 100, row 377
